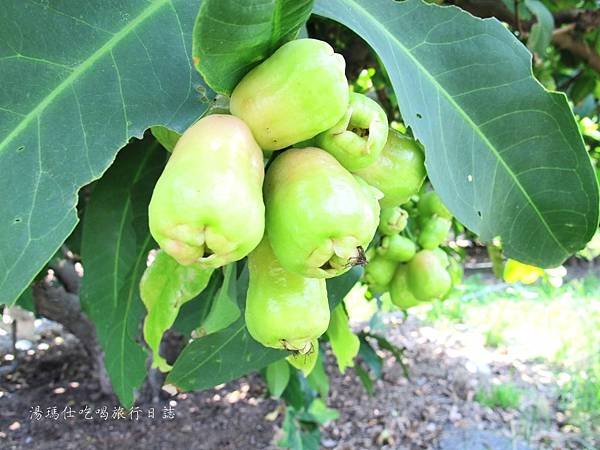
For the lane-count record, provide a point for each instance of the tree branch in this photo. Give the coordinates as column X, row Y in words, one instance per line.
column 517, row 18
column 567, row 41
column 486, row 9
column 584, row 19
column 64, row 270
column 576, row 21
column 55, row 303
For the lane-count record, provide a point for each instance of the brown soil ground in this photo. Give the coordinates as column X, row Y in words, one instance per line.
column 425, row 412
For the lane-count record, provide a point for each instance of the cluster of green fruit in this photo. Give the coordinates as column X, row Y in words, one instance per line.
column 310, row 213
column 408, row 261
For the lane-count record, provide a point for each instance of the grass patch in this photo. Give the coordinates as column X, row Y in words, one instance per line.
column 452, row 311
column 581, row 397
column 494, row 336
column 505, row 396
column 556, row 326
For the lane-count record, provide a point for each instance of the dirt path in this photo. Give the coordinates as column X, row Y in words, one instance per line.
column 436, row 407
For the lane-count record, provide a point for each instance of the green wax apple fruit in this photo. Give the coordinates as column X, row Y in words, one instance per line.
column 358, row 138
column 398, row 172
column 397, row 248
column 442, row 256
column 319, row 217
column 427, row 277
column 283, row 309
column 392, row 220
column 435, row 231
column 431, row 204
column 400, row 293
column 295, row 94
column 207, row 206
column 379, row 271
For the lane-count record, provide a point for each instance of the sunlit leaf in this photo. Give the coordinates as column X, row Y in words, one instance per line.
column 504, row 154
column 79, row 79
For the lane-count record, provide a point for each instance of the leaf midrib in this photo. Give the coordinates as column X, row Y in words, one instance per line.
column 139, row 259
column 129, row 302
column 124, row 213
column 466, row 117
column 81, row 69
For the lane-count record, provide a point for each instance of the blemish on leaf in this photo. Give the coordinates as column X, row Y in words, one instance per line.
column 419, row 116
column 20, row 149
column 202, row 91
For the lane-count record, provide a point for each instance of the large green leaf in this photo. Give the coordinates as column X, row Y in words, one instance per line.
column 232, row 36
column 224, row 309
column 164, row 287
column 230, row 353
column 338, row 287
column 220, row 357
column 79, row 78
column 277, row 376
column 505, row 155
column 167, row 138
column 192, row 313
column 344, row 343
column 115, row 245
column 318, row 379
